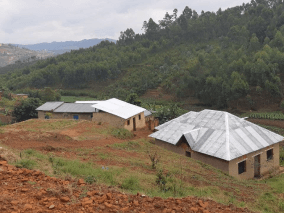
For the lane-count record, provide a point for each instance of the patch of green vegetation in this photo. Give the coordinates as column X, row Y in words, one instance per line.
column 79, row 169
column 26, row 163
column 131, row 183
column 34, row 153
column 277, row 183
column 103, row 155
column 121, row 133
column 7, row 103
column 56, row 125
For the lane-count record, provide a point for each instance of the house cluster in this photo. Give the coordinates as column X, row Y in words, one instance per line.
column 118, row 113
column 232, row 144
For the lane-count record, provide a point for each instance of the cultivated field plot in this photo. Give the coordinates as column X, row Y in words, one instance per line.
column 99, row 154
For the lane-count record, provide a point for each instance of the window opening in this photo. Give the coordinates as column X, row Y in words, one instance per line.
column 128, row 122
column 242, row 167
column 188, row 154
column 269, row 154
column 139, row 117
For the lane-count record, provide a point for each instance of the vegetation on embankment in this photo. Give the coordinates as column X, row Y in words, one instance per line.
column 217, row 56
column 126, row 165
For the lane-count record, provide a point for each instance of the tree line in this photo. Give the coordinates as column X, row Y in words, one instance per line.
column 217, row 56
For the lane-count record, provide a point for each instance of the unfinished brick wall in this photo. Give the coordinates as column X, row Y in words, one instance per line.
column 105, row 117
column 53, row 115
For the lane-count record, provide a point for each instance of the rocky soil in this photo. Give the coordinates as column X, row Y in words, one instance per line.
column 23, row 190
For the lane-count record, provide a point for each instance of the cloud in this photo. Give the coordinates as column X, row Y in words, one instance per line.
column 34, row 21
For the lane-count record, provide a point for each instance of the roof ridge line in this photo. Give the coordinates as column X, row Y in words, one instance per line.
column 227, row 136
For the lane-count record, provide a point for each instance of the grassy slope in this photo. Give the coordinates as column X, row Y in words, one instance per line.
column 129, row 169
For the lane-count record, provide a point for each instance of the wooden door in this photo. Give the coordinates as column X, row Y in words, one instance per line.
column 134, row 124
column 257, row 166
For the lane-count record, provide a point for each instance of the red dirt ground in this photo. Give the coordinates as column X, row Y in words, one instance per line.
column 24, row 190
column 16, row 136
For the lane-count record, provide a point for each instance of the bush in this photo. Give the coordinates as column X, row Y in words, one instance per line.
column 131, row 183
column 26, row 109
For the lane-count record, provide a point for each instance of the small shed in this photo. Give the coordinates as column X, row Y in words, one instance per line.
column 225, row 141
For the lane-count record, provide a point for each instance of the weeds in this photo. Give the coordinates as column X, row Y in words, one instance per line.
column 26, row 163
column 121, row 133
column 131, row 183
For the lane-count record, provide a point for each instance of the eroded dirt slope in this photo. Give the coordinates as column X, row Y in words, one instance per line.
column 23, row 190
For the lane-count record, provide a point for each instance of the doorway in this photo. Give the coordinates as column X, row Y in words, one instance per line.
column 257, row 166
column 134, row 124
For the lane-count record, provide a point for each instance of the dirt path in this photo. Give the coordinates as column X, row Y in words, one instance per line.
column 24, row 190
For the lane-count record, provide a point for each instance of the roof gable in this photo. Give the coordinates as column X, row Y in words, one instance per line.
column 216, row 133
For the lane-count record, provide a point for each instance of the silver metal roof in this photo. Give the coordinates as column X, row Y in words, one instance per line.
column 75, row 108
column 216, row 133
column 119, row 108
column 49, row 106
column 147, row 113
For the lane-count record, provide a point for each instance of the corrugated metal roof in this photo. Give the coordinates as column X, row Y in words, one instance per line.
column 216, row 133
column 147, row 113
column 75, row 108
column 119, row 108
column 49, row 106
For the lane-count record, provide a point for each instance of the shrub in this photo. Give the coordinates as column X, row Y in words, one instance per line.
column 26, row 109
column 154, row 157
column 162, row 180
column 131, row 183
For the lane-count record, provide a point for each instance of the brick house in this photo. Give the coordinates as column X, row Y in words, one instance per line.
column 232, row 144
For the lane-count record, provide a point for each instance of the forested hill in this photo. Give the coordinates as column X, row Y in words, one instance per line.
column 217, row 56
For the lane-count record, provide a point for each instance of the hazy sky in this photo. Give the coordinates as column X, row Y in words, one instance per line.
column 36, row 21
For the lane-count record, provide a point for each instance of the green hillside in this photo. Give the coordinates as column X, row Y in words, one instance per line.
column 217, row 56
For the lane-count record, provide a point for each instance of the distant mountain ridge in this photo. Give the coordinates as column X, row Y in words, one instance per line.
column 64, row 46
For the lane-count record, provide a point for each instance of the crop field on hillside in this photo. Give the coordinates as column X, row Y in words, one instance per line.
column 70, row 149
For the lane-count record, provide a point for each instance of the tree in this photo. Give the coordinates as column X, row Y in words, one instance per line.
column 240, row 87
column 187, row 12
column 26, row 109
column 49, row 95
column 133, row 99
column 126, row 37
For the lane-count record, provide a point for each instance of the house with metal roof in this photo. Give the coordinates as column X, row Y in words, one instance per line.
column 117, row 113
column 225, row 141
column 61, row 110
column 120, row 114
